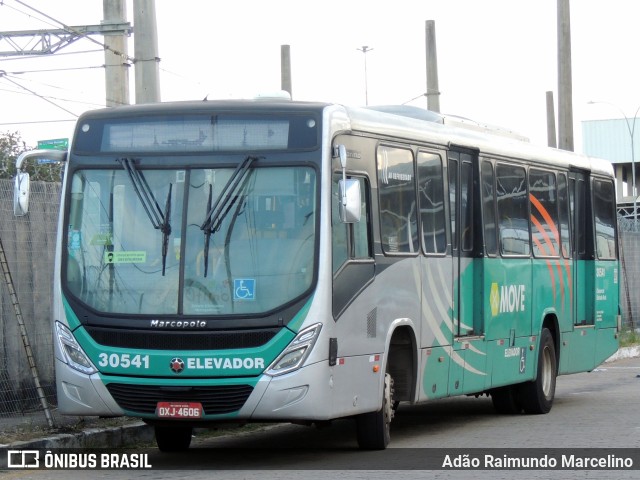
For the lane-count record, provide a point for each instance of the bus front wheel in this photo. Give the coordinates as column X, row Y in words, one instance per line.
column 173, row 439
column 536, row 396
column 374, row 428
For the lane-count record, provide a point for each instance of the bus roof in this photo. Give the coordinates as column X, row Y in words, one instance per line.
column 490, row 141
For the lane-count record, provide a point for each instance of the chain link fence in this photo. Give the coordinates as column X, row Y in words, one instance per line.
column 629, row 240
column 29, row 245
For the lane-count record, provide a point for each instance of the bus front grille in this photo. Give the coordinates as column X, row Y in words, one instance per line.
column 168, row 340
column 214, row 399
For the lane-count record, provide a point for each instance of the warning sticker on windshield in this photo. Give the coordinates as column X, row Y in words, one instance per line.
column 125, row 257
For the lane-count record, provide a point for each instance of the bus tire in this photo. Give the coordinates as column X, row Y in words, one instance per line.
column 374, row 428
column 173, row 439
column 506, row 400
column 537, row 396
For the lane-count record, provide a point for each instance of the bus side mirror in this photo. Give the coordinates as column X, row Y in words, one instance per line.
column 21, row 194
column 22, row 181
column 350, row 207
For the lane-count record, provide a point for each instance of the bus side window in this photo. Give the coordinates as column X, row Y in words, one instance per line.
column 431, row 200
column 604, row 216
column 397, row 190
column 488, row 202
column 544, row 213
column 513, row 218
column 563, row 202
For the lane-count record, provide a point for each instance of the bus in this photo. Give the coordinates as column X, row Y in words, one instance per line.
column 279, row 261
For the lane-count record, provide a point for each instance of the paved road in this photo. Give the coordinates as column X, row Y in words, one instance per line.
column 591, row 410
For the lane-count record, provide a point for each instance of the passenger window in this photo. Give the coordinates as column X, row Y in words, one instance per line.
column 513, row 221
column 489, row 205
column 604, row 213
column 544, row 213
column 431, row 200
column 563, row 203
column 398, row 210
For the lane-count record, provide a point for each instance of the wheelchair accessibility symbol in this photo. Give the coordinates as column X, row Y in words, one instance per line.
column 244, row 289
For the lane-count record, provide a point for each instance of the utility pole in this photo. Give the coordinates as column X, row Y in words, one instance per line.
column 116, row 71
column 146, row 51
column 433, row 91
column 565, row 103
column 551, row 122
column 365, row 49
column 285, row 69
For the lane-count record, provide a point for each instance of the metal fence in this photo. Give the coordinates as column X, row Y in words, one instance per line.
column 629, row 240
column 29, row 244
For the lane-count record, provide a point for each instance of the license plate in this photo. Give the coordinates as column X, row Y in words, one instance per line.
column 179, row 410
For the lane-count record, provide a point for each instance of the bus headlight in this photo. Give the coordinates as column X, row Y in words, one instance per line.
column 72, row 352
column 297, row 352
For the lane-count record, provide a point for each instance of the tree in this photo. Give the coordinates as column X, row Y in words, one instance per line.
column 11, row 146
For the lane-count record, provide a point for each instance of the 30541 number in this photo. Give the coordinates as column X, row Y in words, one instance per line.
column 123, row 360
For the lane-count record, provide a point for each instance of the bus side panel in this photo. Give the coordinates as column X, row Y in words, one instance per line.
column 436, row 302
column 468, row 371
column 579, row 349
column 435, row 372
column 510, row 364
column 508, row 282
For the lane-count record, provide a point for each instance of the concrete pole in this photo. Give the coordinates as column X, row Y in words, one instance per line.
column 285, row 69
column 364, row 50
column 433, row 91
column 116, row 71
column 146, row 51
column 551, row 122
column 565, row 104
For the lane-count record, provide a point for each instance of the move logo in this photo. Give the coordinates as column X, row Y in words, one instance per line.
column 507, row 298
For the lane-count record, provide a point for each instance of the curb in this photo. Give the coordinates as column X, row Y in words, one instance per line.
column 113, row 437
column 624, row 352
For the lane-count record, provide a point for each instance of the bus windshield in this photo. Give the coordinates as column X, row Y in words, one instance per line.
column 118, row 261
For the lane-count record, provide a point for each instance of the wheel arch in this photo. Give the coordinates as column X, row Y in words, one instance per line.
column 402, row 361
column 551, row 323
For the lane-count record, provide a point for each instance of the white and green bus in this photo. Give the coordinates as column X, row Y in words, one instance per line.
column 279, row 261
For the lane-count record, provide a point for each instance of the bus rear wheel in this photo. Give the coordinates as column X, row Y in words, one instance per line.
column 374, row 428
column 173, row 439
column 537, row 396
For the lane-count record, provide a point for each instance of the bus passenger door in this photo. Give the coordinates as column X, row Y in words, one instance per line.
column 468, row 362
column 461, row 207
column 580, row 233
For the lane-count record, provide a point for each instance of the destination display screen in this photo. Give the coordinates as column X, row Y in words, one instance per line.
column 196, row 133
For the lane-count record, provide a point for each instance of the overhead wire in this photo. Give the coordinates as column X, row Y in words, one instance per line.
column 8, row 79
column 18, row 92
column 49, row 70
column 48, row 55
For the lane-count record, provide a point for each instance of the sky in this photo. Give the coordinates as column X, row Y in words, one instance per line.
column 496, row 58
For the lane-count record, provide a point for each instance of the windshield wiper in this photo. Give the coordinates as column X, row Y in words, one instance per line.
column 159, row 218
column 218, row 211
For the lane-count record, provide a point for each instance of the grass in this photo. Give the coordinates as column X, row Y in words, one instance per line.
column 629, row 338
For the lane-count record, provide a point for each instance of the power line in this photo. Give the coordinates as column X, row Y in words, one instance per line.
column 49, row 70
column 17, row 92
column 2, row 75
column 48, row 55
column 38, row 121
